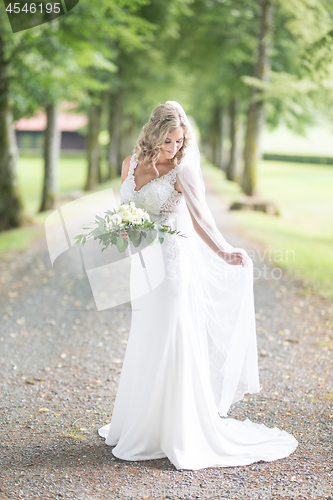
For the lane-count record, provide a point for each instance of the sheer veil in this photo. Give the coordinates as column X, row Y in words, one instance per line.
column 220, row 295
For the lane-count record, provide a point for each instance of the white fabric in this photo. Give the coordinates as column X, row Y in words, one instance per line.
column 182, row 333
column 220, row 294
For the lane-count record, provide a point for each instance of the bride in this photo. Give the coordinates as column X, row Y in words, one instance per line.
column 192, row 350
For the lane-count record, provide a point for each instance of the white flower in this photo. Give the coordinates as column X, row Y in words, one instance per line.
column 132, row 204
column 145, row 215
column 142, row 213
column 136, row 219
column 116, row 218
column 124, row 207
column 126, row 216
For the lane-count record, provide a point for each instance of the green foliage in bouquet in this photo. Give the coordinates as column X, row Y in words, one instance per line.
column 118, row 227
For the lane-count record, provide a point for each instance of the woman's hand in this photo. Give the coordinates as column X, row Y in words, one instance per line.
column 124, row 234
column 233, row 258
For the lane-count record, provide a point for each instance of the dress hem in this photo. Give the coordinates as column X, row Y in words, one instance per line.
column 246, row 462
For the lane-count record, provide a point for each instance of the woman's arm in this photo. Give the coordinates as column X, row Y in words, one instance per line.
column 125, row 168
column 232, row 258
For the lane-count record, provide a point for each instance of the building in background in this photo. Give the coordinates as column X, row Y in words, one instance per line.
column 30, row 131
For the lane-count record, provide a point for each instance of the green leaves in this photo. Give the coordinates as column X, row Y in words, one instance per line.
column 122, row 244
column 150, row 240
column 134, row 236
column 108, row 233
column 137, row 241
column 151, row 236
column 99, row 219
column 81, row 238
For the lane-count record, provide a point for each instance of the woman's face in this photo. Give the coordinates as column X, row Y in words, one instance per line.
column 172, row 144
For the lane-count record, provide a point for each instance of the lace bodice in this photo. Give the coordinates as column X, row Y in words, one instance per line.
column 158, row 197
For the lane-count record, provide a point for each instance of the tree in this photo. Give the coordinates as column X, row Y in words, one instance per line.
column 93, row 146
column 217, row 47
column 233, row 130
column 216, row 135
column 11, row 207
column 121, row 30
column 115, row 124
column 52, row 138
column 255, row 118
column 144, row 77
column 24, row 87
column 292, row 56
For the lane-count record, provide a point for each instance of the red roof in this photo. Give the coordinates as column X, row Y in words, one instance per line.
column 67, row 122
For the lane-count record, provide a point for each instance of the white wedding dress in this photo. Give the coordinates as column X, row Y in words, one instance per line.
column 164, row 405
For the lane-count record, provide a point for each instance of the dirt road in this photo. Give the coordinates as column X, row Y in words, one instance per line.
column 60, row 362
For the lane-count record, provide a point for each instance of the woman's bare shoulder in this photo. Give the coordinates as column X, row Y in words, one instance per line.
column 125, row 168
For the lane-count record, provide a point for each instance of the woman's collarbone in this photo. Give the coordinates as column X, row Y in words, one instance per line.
column 146, row 178
column 142, row 179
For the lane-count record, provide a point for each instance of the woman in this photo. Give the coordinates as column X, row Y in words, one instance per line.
column 191, row 351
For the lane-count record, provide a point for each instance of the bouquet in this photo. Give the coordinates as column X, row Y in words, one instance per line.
column 127, row 223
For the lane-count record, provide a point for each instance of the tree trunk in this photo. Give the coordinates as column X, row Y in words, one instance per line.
column 52, row 142
column 233, row 130
column 256, row 111
column 216, row 136
column 93, row 146
column 105, row 98
column 220, row 136
column 212, row 142
column 115, row 122
column 100, row 173
column 11, row 208
column 128, row 137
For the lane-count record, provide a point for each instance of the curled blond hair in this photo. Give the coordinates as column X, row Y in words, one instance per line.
column 164, row 119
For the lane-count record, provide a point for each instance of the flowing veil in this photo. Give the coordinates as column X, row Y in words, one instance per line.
column 220, row 295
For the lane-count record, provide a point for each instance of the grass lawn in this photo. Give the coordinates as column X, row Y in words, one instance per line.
column 301, row 238
column 71, row 178
column 72, row 173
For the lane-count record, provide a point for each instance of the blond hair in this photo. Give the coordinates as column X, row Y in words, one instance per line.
column 164, row 119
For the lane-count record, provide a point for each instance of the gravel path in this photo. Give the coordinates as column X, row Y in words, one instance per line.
column 60, row 364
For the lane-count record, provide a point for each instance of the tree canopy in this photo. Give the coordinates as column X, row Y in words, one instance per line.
column 126, row 56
